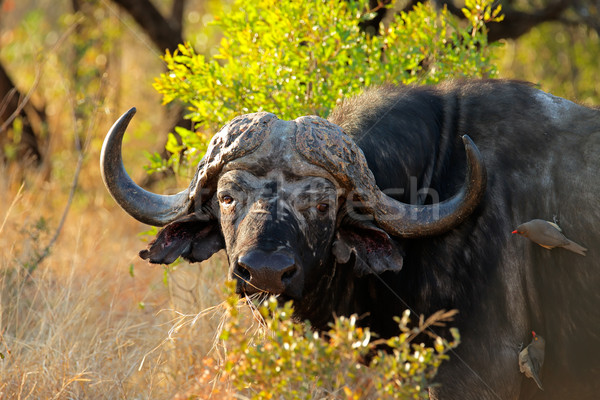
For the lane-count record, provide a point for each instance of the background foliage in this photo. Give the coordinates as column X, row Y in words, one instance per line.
column 89, row 318
column 301, row 58
column 565, row 60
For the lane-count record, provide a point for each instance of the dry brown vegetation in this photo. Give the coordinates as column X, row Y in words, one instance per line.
column 79, row 325
column 92, row 320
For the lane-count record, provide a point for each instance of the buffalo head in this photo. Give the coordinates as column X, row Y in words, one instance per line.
column 288, row 200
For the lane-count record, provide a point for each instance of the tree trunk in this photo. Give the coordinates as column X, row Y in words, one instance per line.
column 517, row 23
column 166, row 34
column 19, row 142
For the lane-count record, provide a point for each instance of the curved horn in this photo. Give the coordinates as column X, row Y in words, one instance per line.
column 146, row 207
column 410, row 221
column 324, row 144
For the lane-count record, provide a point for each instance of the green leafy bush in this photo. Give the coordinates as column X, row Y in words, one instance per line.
column 286, row 359
column 297, row 58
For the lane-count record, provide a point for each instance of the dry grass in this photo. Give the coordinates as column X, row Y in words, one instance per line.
column 74, row 327
column 78, row 325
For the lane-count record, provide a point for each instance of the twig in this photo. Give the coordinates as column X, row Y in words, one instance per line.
column 22, row 102
column 7, row 99
column 38, row 75
column 32, row 267
column 11, row 206
column 81, row 150
column 8, row 352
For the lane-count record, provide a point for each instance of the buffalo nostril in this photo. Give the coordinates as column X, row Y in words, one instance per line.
column 242, row 272
column 288, row 273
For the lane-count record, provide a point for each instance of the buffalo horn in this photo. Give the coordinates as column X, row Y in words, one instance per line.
column 146, row 207
column 410, row 220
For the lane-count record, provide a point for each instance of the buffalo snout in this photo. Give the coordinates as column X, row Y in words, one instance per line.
column 275, row 272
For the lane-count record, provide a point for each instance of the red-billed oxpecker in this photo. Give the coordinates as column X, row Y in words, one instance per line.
column 531, row 358
column 548, row 234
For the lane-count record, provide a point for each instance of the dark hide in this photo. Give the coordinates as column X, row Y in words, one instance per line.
column 543, row 160
column 542, row 155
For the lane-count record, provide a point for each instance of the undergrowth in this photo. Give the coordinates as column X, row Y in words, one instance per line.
column 265, row 353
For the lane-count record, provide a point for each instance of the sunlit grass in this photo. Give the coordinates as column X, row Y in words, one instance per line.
column 80, row 323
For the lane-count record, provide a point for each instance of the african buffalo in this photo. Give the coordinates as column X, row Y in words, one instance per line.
column 388, row 204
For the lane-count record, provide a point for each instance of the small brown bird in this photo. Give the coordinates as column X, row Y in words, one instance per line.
column 548, row 234
column 531, row 358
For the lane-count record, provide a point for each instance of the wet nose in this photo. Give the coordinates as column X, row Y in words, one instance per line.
column 261, row 271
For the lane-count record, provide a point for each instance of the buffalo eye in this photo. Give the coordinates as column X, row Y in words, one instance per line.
column 322, row 207
column 226, row 199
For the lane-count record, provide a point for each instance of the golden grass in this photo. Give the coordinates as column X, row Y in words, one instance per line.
column 75, row 326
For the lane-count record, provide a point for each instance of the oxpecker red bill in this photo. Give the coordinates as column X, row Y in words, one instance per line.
column 548, row 234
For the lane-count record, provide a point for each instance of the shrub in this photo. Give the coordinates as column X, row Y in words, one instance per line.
column 286, row 359
column 296, row 58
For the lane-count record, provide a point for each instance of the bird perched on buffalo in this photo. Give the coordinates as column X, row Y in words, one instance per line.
column 548, row 234
column 531, row 358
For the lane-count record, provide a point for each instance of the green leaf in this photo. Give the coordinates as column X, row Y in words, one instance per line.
column 166, row 277
column 299, row 58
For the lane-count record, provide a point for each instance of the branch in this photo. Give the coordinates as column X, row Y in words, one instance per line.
column 17, row 197
column 10, row 102
column 14, row 104
column 515, row 23
column 33, row 265
column 10, row 97
column 176, row 17
column 162, row 33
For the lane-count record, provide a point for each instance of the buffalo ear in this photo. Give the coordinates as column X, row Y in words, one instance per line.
column 374, row 250
column 191, row 237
